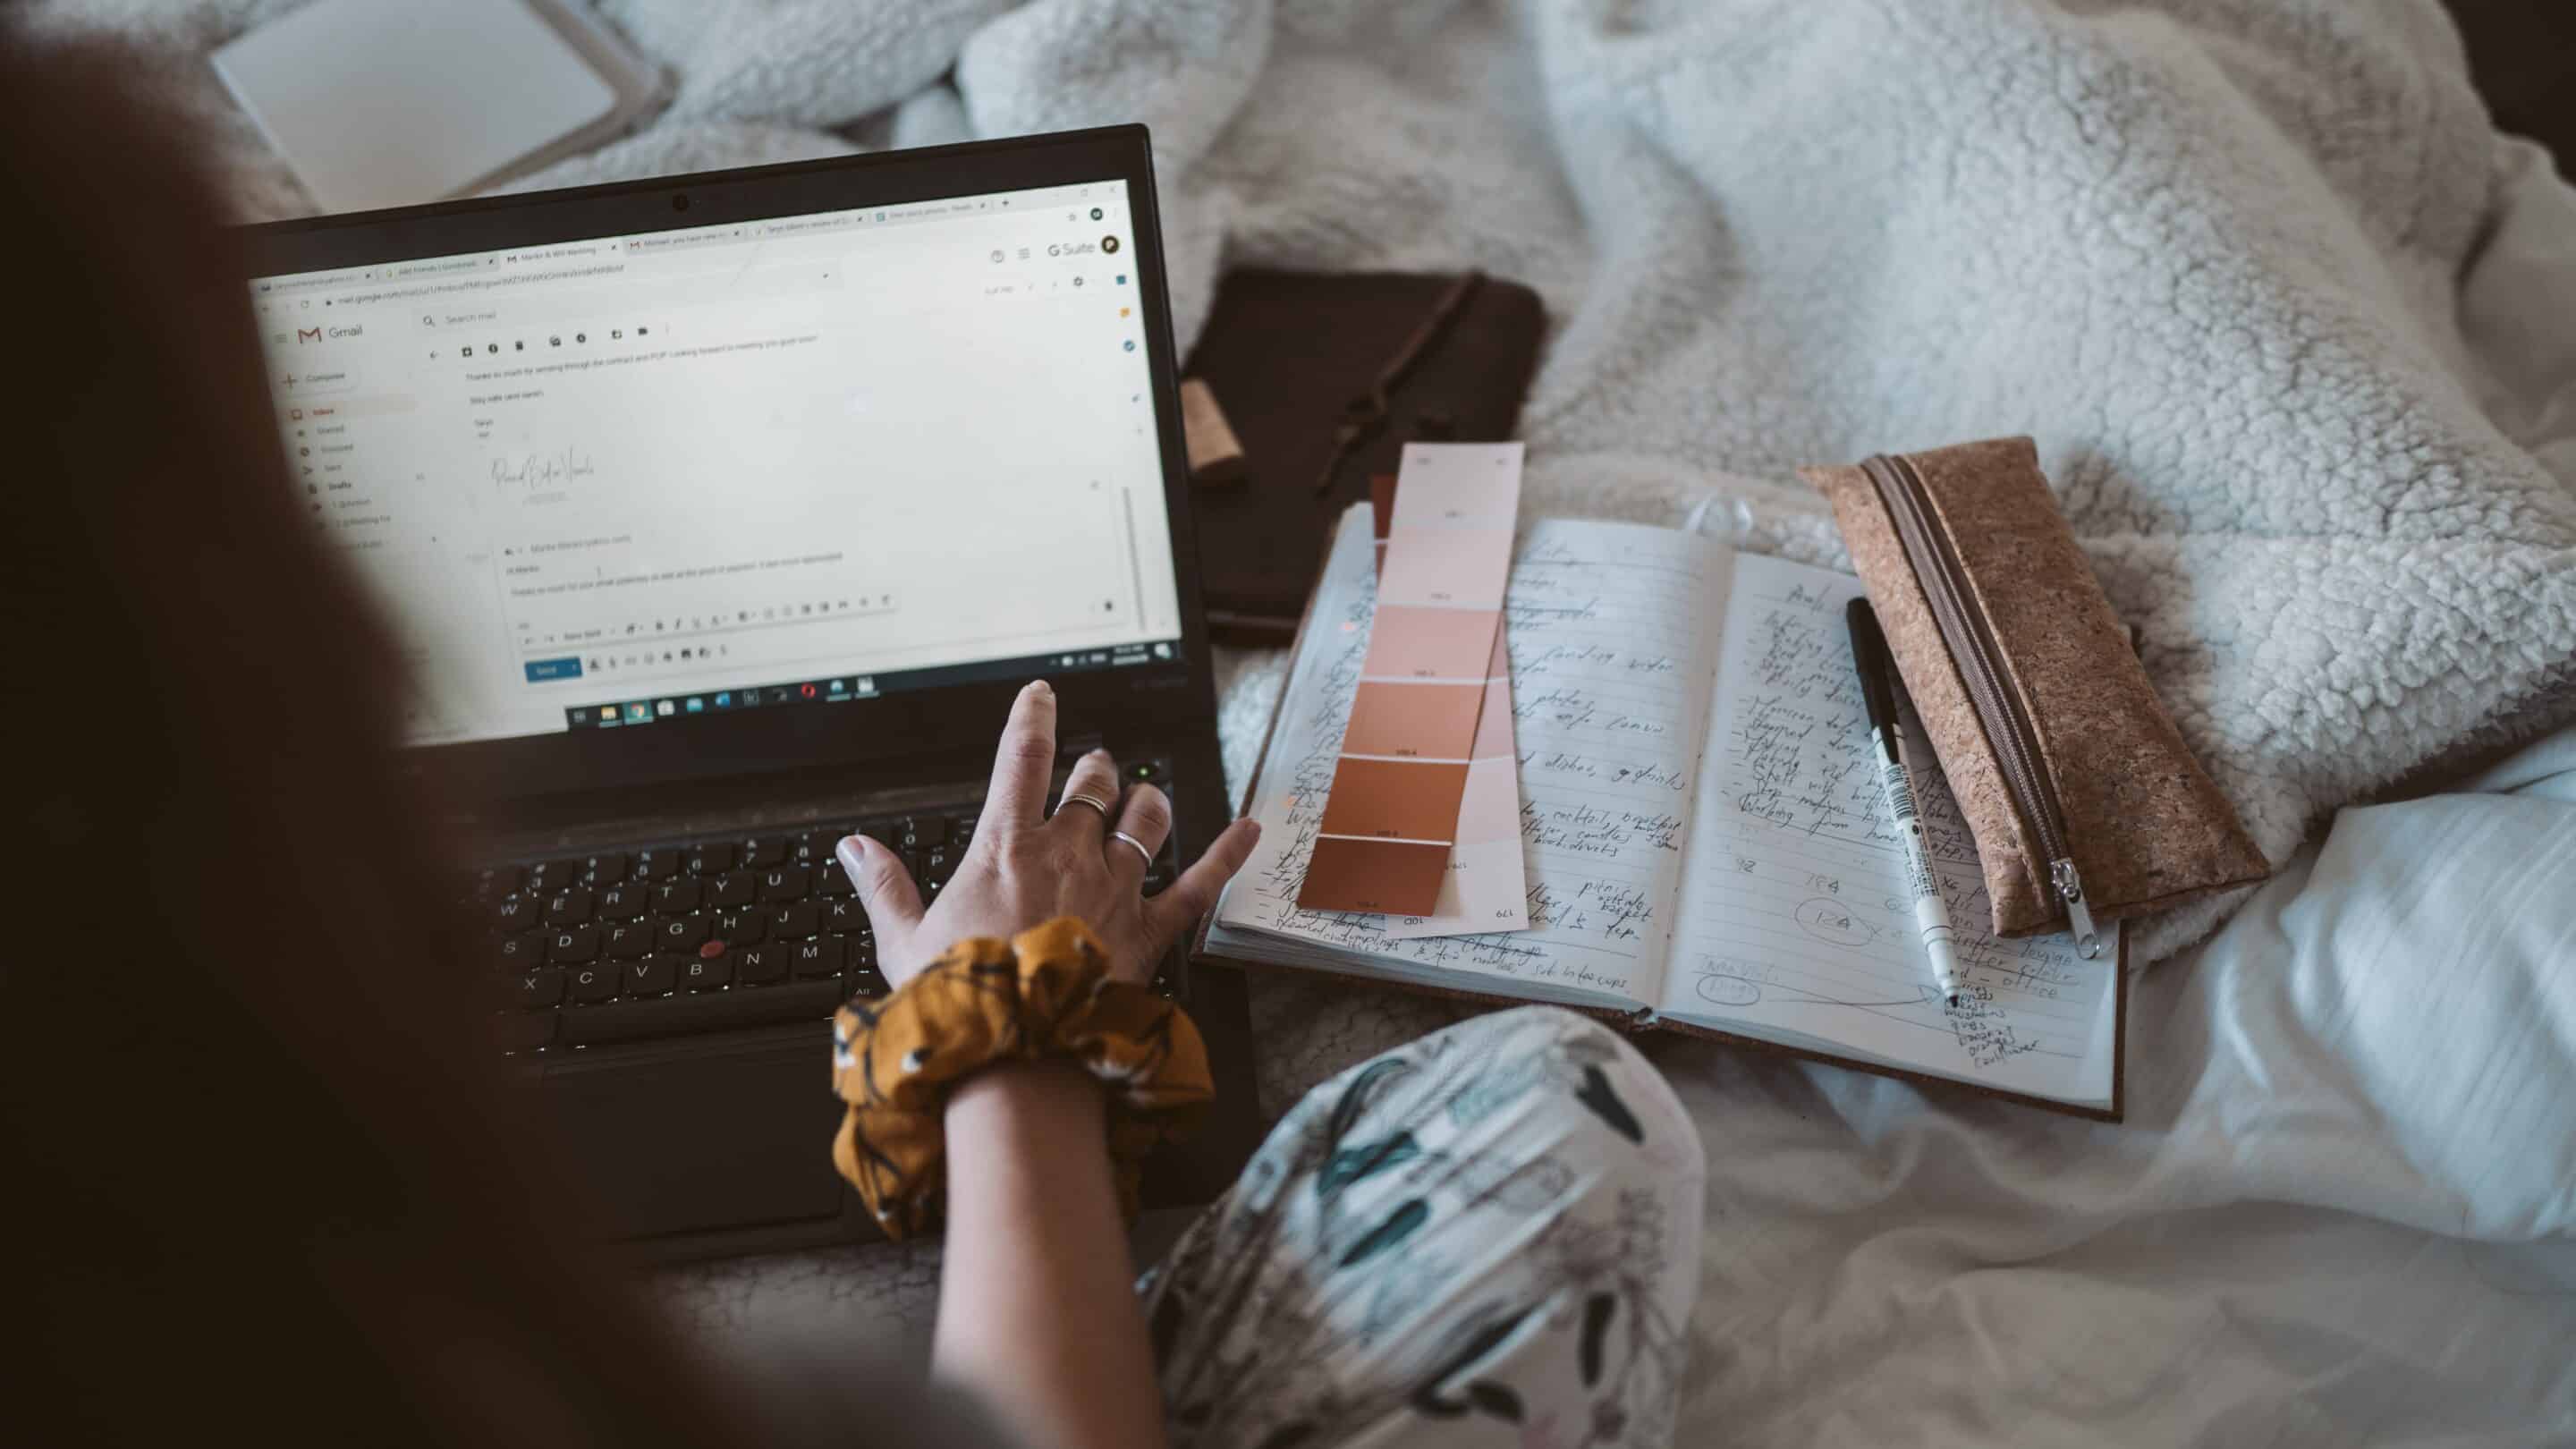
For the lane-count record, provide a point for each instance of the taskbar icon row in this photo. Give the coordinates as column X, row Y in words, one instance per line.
column 836, row 689
column 721, row 701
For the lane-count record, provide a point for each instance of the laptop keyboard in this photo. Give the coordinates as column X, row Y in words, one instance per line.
column 676, row 938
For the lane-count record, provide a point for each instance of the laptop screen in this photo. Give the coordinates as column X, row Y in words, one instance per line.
column 610, row 483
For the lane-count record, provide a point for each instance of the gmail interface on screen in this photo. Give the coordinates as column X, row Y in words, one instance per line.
column 609, row 483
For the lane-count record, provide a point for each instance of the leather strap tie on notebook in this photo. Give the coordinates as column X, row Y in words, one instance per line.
column 1365, row 414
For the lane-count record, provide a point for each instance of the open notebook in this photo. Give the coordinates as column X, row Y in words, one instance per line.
column 1704, row 841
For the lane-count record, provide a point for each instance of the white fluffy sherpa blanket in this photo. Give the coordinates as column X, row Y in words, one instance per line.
column 2207, row 251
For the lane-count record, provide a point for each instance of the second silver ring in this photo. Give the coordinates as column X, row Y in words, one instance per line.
column 1075, row 797
column 1141, row 851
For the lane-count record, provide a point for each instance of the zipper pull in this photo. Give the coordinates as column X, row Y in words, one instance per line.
column 2070, row 888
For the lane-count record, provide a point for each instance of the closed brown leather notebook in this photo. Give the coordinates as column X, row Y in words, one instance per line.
column 1324, row 377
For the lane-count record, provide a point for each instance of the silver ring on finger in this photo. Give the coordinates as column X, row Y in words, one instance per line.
column 1076, row 797
column 1142, row 853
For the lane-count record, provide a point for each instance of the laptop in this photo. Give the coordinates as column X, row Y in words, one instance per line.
column 718, row 517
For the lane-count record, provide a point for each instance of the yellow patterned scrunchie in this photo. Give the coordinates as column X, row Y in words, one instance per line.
column 1044, row 994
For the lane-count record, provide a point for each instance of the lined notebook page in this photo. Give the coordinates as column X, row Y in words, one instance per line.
column 1609, row 686
column 1794, row 921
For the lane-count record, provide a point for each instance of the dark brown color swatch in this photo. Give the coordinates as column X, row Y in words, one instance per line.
column 1373, row 875
column 1389, row 799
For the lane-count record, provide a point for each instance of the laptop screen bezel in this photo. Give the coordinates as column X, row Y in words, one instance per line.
column 897, row 725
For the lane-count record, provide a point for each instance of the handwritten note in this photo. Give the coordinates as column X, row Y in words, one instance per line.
column 1794, row 923
column 1609, row 663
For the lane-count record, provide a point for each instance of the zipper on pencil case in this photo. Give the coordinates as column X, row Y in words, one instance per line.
column 1971, row 640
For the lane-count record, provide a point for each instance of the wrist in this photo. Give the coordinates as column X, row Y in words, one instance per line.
column 1051, row 1093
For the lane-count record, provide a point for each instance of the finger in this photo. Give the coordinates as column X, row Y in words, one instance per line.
column 1173, row 913
column 886, row 891
column 1094, row 779
column 1023, row 762
column 1146, row 819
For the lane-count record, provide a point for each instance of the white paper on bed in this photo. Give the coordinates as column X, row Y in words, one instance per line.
column 1699, row 831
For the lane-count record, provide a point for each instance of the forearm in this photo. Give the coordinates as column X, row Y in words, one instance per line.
column 1037, row 1309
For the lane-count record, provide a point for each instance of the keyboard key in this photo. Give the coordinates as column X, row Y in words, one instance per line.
column 591, row 984
column 654, row 976
column 573, row 945
column 839, row 918
column 518, row 913
column 888, row 833
column 604, row 868
column 621, row 903
column 859, row 951
column 537, row 990
column 524, row 1032
column 711, row 858
column 786, row 883
column 741, row 928
column 569, row 909
column 803, row 1001
column 832, row 881
column 814, row 847
column 865, row 981
column 555, row 875
column 705, row 973
column 738, row 889
column 523, row 950
column 939, row 864
column 629, row 939
column 493, row 884
column 682, row 933
column 815, row 958
column 795, row 921
column 675, row 897
column 928, row 830
column 761, row 852
column 655, row 865
column 758, row 965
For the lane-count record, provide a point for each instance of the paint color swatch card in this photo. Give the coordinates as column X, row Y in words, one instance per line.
column 1391, row 815
column 1702, row 843
column 1486, row 889
column 1486, row 886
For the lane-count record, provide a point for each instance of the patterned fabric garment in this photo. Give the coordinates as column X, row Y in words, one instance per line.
column 1487, row 1237
column 1044, row 993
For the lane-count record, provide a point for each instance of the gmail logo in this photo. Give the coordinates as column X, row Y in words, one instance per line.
column 308, row 334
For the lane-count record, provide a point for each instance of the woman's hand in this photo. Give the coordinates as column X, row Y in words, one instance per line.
column 1025, row 869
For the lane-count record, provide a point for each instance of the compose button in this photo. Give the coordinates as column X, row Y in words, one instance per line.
column 541, row 670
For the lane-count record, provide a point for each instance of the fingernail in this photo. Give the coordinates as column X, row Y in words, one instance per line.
column 851, row 852
column 1039, row 689
column 1098, row 753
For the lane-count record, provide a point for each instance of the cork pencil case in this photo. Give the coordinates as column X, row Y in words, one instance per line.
column 2085, row 803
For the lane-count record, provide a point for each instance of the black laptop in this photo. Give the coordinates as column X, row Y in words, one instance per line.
column 718, row 517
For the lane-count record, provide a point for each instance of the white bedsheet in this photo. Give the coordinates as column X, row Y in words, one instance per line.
column 2339, row 1210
